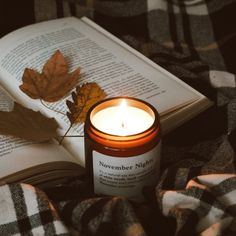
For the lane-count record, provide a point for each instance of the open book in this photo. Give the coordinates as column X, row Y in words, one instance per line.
column 104, row 59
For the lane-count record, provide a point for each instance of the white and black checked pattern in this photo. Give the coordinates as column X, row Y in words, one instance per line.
column 207, row 203
column 196, row 195
column 27, row 211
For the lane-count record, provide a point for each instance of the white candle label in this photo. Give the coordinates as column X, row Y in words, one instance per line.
column 126, row 176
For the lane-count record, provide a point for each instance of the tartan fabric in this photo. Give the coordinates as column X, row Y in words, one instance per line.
column 27, row 211
column 207, row 203
column 196, row 194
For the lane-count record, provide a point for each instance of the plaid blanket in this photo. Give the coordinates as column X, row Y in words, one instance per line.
column 196, row 194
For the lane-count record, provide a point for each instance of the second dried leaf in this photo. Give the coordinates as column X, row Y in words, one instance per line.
column 84, row 97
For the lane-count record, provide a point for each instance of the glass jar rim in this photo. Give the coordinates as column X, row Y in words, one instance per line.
column 135, row 102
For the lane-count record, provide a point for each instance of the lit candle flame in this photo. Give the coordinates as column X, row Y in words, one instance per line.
column 123, row 105
column 122, row 112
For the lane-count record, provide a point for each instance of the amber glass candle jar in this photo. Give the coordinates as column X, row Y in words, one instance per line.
column 122, row 147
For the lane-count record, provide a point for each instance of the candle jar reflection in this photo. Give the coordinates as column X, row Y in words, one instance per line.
column 122, row 164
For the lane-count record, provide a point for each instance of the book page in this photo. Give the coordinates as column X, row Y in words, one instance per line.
column 101, row 60
column 17, row 154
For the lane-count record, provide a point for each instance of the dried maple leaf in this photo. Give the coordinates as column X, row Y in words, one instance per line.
column 84, row 97
column 53, row 83
column 25, row 123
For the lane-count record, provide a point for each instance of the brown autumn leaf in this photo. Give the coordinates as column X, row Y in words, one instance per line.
column 53, row 83
column 25, row 123
column 84, row 97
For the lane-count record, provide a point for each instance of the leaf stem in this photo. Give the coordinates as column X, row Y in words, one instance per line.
column 60, row 142
column 52, row 109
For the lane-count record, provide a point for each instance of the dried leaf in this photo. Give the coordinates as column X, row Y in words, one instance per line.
column 53, row 83
column 25, row 123
column 84, row 97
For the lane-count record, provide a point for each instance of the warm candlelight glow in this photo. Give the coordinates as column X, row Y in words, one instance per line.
column 122, row 113
column 122, row 147
column 122, row 120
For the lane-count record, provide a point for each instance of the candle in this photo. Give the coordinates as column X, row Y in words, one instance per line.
column 122, row 147
column 122, row 120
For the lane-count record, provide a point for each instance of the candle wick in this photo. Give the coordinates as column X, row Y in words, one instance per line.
column 122, row 124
